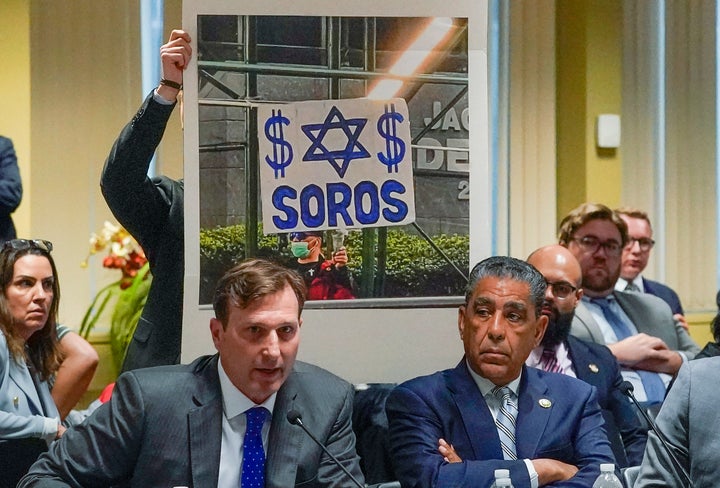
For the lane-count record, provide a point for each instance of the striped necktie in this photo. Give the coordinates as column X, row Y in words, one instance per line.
column 505, row 421
column 253, row 464
column 549, row 362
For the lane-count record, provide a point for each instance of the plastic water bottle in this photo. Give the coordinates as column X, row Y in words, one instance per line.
column 502, row 479
column 607, row 478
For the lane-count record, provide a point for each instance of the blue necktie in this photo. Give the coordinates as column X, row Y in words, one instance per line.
column 253, row 465
column 505, row 421
column 653, row 384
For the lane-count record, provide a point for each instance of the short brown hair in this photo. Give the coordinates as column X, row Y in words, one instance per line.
column 251, row 280
column 585, row 213
column 634, row 213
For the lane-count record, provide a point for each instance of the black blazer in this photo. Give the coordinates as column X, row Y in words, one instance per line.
column 151, row 209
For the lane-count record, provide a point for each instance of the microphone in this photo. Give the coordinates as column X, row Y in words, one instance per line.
column 294, row 417
column 627, row 389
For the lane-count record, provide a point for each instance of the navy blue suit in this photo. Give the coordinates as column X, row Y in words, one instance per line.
column 595, row 364
column 666, row 293
column 559, row 418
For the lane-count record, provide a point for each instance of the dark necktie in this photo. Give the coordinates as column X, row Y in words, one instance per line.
column 253, row 465
column 505, row 421
column 653, row 384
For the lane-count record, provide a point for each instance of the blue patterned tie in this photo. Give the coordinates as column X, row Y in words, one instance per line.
column 652, row 383
column 505, row 421
column 253, row 465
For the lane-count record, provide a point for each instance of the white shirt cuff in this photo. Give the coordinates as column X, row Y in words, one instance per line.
column 50, row 430
column 532, row 473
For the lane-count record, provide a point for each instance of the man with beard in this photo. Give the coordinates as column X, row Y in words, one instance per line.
column 639, row 329
column 560, row 352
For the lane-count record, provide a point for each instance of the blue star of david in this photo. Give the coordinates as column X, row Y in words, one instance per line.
column 338, row 159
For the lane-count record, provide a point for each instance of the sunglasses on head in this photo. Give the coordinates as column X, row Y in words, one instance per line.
column 22, row 244
column 300, row 236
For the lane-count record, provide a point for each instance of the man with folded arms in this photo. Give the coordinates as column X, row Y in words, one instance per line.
column 455, row 427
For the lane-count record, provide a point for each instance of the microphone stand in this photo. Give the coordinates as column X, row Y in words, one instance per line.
column 627, row 388
column 294, row 418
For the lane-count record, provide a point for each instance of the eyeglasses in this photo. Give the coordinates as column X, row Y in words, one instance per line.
column 645, row 243
column 561, row 289
column 592, row 244
column 22, row 244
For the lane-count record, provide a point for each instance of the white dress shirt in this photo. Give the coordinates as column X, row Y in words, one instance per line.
column 235, row 404
column 494, row 405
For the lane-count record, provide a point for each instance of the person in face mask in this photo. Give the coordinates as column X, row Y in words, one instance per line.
column 326, row 279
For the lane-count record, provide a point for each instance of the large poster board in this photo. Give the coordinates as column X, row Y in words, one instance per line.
column 353, row 342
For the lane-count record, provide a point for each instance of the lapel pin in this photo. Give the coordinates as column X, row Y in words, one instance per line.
column 15, row 401
column 545, row 403
column 593, row 367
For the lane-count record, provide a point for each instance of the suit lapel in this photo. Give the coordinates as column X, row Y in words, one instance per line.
column 205, row 427
column 476, row 417
column 624, row 300
column 534, row 409
column 578, row 355
column 22, row 377
column 585, row 321
column 285, row 440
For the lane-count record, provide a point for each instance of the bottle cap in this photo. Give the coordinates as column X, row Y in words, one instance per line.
column 607, row 467
column 502, row 473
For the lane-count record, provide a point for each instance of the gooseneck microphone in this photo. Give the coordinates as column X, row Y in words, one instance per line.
column 294, row 417
column 627, row 389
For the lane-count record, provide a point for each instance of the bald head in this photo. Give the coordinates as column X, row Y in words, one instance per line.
column 557, row 260
column 564, row 276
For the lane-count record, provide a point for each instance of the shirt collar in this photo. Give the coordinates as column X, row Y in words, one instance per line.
column 622, row 283
column 485, row 385
column 236, row 402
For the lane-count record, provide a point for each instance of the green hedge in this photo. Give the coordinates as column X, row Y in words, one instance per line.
column 413, row 267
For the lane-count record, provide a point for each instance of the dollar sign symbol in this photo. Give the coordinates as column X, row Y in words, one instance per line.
column 394, row 146
column 282, row 153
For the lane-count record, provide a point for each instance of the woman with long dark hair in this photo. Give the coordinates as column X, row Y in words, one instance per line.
column 29, row 355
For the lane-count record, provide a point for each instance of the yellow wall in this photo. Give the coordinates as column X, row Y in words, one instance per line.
column 86, row 85
column 15, row 94
column 589, row 75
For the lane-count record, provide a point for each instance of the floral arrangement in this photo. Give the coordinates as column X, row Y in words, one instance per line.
column 127, row 295
column 124, row 253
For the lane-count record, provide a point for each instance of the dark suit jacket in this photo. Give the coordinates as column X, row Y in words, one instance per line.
column 151, row 209
column 650, row 315
column 666, row 293
column 558, row 418
column 595, row 364
column 163, row 427
column 10, row 188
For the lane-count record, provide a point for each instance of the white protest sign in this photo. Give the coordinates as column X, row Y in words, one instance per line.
column 332, row 164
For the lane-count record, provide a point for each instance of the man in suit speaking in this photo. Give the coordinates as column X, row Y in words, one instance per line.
column 491, row 411
column 220, row 421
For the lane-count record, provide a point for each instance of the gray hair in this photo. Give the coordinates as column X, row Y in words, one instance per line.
column 514, row 269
